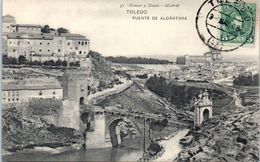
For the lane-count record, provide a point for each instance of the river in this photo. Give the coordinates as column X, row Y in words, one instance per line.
column 105, row 154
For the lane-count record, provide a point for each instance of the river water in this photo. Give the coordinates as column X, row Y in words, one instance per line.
column 105, row 154
column 128, row 150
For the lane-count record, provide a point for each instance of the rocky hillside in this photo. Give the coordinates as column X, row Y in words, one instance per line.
column 232, row 137
column 22, row 133
column 101, row 69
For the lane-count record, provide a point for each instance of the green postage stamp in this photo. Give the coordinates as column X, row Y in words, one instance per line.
column 226, row 25
column 236, row 23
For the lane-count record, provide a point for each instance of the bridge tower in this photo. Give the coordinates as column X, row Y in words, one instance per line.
column 75, row 86
column 203, row 108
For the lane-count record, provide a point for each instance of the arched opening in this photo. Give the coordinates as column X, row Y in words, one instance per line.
column 114, row 132
column 86, row 120
column 81, row 100
column 121, row 128
column 205, row 114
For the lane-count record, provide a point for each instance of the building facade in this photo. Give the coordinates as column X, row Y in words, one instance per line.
column 187, row 59
column 29, row 40
column 22, row 90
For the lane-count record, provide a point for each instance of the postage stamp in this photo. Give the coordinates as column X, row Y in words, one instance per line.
column 226, row 25
column 231, row 26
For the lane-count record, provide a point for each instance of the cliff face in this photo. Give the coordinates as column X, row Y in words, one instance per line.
column 19, row 133
column 233, row 136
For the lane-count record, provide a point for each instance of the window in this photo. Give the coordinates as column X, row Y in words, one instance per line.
column 40, row 43
column 28, row 42
column 48, row 50
column 40, row 93
column 68, row 43
column 10, row 42
column 4, row 99
column 48, row 43
column 17, row 99
column 79, row 42
column 80, row 52
column 7, row 27
column 86, row 42
column 9, row 99
column 58, row 50
column 54, row 92
column 81, row 88
column 76, row 48
column 82, row 43
column 40, row 50
column 13, row 50
column 13, row 99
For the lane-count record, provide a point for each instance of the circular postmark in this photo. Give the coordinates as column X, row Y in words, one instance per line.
column 225, row 25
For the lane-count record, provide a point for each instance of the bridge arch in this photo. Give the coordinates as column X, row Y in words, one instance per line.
column 113, row 129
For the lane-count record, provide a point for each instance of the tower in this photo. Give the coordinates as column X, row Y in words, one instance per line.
column 75, row 86
column 203, row 108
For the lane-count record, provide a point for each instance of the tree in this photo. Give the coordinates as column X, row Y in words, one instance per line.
column 64, row 63
column 71, row 64
column 22, row 60
column 58, row 63
column 45, row 29
column 77, row 63
column 6, row 60
column 63, row 30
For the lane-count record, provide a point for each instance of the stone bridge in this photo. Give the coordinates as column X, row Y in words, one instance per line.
column 101, row 126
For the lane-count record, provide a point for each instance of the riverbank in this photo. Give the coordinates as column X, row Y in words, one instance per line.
column 171, row 146
column 233, row 136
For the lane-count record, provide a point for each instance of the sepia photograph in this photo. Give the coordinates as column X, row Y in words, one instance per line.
column 130, row 81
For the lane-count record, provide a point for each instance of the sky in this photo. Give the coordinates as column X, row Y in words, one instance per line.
column 112, row 32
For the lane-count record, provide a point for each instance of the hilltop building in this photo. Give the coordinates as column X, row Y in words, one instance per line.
column 29, row 40
column 185, row 60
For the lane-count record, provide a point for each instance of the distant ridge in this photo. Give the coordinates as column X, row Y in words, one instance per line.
column 137, row 60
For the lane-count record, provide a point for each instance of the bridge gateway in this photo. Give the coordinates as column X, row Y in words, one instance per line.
column 202, row 108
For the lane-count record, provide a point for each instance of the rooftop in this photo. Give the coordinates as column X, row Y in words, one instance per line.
column 41, row 83
column 27, row 25
column 45, row 36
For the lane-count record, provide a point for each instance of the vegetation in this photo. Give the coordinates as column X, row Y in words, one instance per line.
column 182, row 94
column 63, row 30
column 154, row 148
column 9, row 60
column 41, row 106
column 23, row 61
column 247, row 80
column 144, row 76
column 136, row 60
column 45, row 29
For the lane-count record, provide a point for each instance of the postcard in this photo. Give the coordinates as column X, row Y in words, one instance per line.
column 130, row 80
